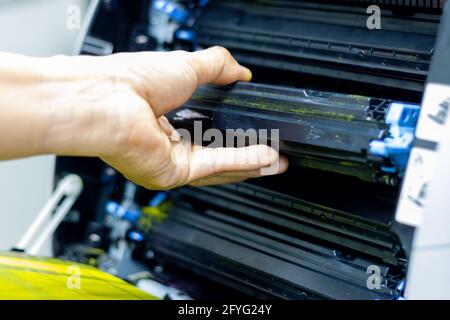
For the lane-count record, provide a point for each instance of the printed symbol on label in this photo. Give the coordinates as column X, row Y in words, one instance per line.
column 421, row 195
column 418, row 160
column 441, row 116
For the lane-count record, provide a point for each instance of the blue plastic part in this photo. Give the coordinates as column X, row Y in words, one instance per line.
column 402, row 119
column 389, row 169
column 118, row 211
column 173, row 10
column 203, row 3
column 186, row 35
column 159, row 198
column 401, row 286
column 136, row 236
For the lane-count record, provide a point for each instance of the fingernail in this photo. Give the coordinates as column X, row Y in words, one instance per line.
column 267, row 156
column 247, row 74
column 175, row 137
column 269, row 170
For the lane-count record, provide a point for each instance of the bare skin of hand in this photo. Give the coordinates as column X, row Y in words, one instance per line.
column 113, row 108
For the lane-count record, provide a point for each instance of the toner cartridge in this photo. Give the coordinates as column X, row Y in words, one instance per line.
column 322, row 39
column 276, row 246
column 354, row 135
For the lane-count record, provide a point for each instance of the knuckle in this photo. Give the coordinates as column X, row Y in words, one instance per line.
column 223, row 51
column 223, row 55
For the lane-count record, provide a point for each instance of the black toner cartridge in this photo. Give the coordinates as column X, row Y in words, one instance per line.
column 323, row 39
column 354, row 135
column 272, row 245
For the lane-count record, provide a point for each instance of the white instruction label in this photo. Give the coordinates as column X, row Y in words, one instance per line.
column 432, row 127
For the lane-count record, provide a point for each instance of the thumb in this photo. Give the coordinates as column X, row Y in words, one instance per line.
column 216, row 65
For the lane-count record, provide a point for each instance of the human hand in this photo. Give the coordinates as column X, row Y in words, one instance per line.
column 113, row 107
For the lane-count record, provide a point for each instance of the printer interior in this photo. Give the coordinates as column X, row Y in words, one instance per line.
column 345, row 100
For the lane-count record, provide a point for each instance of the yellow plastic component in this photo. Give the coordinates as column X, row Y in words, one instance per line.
column 29, row 278
column 151, row 215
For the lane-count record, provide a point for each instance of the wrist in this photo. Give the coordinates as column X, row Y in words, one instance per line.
column 82, row 120
column 23, row 120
